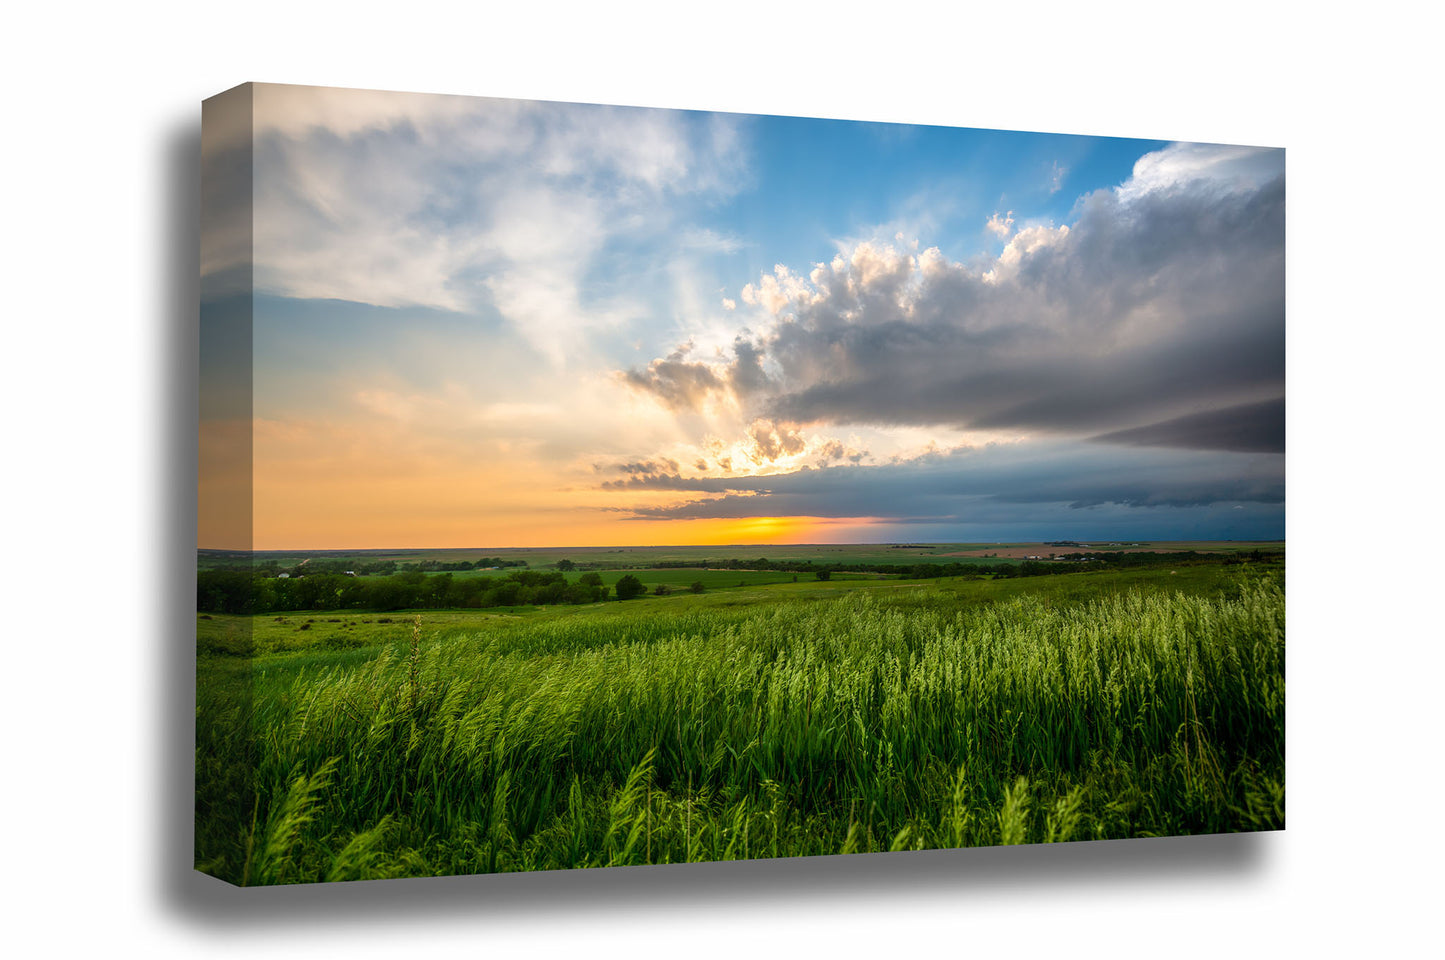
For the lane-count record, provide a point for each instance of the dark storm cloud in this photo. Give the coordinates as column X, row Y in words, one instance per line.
column 660, row 465
column 834, row 451
column 650, row 481
column 683, row 384
column 679, row 383
column 960, row 484
column 1251, row 427
column 1164, row 297
column 645, row 473
column 746, row 374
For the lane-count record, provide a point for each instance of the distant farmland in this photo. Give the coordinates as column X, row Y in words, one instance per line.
column 632, row 558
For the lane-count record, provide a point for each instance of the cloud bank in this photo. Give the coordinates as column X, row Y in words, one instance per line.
column 1155, row 318
column 952, row 486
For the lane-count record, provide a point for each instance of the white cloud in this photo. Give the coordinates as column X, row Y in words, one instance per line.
column 1000, row 227
column 300, row 111
column 1056, row 177
column 1024, row 244
column 1231, row 168
column 457, row 203
column 775, row 290
column 695, row 238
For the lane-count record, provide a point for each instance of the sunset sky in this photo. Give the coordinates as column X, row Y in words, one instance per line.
column 499, row 323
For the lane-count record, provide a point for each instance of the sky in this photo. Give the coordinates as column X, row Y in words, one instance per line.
column 487, row 323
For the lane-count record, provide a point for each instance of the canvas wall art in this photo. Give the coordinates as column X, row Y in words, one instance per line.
column 590, row 486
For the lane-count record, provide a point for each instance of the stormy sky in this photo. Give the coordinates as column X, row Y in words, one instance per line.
column 488, row 322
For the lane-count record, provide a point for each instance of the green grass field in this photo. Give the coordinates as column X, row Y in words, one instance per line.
column 772, row 719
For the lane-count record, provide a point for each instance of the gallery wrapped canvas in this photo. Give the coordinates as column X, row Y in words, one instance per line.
column 590, row 486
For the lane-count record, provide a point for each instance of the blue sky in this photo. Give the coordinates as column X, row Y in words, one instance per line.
column 487, row 322
column 817, row 181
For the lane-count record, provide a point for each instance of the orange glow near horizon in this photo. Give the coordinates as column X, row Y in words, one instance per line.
column 445, row 511
column 331, row 486
column 540, row 532
column 743, row 530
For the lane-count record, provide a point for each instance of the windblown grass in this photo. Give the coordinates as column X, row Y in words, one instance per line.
column 862, row 723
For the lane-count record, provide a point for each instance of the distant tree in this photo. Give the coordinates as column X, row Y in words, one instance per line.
column 629, row 587
column 434, row 591
column 582, row 593
column 390, row 593
column 697, row 587
column 825, row 574
column 548, row 593
column 662, row 590
column 590, row 579
column 504, row 594
column 566, row 565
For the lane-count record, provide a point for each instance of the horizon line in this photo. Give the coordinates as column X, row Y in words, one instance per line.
column 676, row 546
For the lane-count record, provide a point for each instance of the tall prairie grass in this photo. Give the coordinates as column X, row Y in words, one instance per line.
column 787, row 729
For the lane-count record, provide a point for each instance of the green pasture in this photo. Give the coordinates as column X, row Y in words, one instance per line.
column 323, row 633
column 771, row 720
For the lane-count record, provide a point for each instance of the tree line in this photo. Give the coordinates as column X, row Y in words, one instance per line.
column 244, row 592
column 1063, row 563
column 823, row 571
column 365, row 568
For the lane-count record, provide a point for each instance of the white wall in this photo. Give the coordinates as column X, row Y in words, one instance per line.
column 101, row 129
